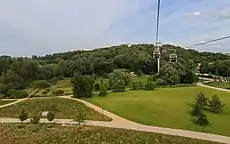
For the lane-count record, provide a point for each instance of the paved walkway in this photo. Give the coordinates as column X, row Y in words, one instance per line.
column 211, row 87
column 119, row 122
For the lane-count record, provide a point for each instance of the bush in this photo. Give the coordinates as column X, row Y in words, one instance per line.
column 23, row 115
column 197, row 109
column 2, row 96
column 160, row 82
column 201, row 119
column 50, row 116
column 17, row 94
column 139, row 73
column 96, row 86
column 35, row 119
column 41, row 84
column 150, row 85
column 5, row 88
column 58, row 92
column 215, row 104
column 103, row 90
column 80, row 118
column 119, row 86
column 201, row 100
column 46, row 91
column 136, row 85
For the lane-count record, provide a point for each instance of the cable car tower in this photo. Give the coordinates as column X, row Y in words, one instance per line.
column 156, row 51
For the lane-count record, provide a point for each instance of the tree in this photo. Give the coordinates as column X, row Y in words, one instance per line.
column 118, row 79
column 201, row 119
column 80, row 118
column 216, row 105
column 82, row 85
column 96, row 86
column 135, row 85
column 201, row 100
column 35, row 119
column 23, row 115
column 197, row 109
column 103, row 89
column 50, row 116
column 150, row 85
column 169, row 74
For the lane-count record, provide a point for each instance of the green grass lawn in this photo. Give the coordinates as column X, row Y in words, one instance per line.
column 166, row 107
column 225, row 85
column 55, row 134
column 65, row 108
column 3, row 102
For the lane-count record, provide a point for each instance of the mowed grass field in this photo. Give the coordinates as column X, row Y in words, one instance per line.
column 225, row 85
column 55, row 134
column 166, row 107
column 65, row 108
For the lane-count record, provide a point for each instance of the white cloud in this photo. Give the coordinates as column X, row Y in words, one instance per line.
column 193, row 14
column 225, row 13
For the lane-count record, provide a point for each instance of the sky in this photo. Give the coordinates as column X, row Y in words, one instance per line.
column 39, row 27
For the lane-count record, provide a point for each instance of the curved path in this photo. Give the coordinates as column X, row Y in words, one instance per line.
column 119, row 122
column 211, row 87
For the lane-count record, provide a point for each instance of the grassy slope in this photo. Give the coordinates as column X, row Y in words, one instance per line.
column 166, row 107
column 225, row 85
column 45, row 134
column 3, row 102
column 67, row 108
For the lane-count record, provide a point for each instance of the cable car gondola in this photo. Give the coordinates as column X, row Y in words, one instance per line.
column 173, row 57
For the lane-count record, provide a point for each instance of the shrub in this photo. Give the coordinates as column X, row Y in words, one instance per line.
column 2, row 96
column 119, row 86
column 41, row 84
column 80, row 118
column 58, row 92
column 160, row 82
column 201, row 119
column 19, row 94
column 197, row 109
column 46, row 91
column 215, row 104
column 35, row 119
column 201, row 100
column 139, row 73
column 136, row 85
column 23, row 115
column 150, row 85
column 50, row 116
column 96, row 86
column 103, row 90
column 10, row 92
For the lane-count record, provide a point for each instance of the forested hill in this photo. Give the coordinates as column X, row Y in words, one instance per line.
column 20, row 72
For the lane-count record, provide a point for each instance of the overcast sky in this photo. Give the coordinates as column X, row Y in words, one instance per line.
column 29, row 27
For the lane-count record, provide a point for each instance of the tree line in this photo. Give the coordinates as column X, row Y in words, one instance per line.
column 19, row 73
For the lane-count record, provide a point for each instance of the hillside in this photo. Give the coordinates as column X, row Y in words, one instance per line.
column 19, row 73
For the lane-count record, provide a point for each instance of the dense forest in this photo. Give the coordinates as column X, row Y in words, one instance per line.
column 18, row 73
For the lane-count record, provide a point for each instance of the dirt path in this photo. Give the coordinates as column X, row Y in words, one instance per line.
column 17, row 101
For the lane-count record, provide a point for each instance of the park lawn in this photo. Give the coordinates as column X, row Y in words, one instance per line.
column 166, row 107
column 54, row 134
column 3, row 102
column 225, row 85
column 65, row 108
